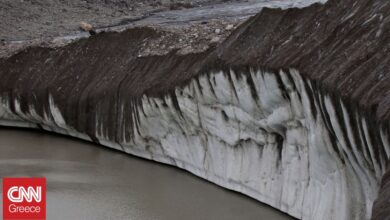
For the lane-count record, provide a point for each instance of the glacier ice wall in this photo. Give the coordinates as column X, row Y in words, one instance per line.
column 271, row 135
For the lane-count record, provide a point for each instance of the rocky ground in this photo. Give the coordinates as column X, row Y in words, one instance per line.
column 191, row 38
column 183, row 25
column 29, row 19
column 45, row 23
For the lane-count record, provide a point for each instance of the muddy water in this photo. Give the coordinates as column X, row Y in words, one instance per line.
column 86, row 181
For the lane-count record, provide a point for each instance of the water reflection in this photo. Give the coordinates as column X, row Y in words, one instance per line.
column 86, row 181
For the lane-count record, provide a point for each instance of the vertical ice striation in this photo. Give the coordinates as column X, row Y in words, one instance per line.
column 273, row 136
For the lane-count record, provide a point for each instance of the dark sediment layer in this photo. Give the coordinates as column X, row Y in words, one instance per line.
column 342, row 47
column 104, row 71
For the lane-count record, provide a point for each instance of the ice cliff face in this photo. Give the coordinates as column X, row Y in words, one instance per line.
column 293, row 109
column 272, row 136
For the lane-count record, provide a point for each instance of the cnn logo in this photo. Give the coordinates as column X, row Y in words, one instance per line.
column 24, row 198
column 23, row 194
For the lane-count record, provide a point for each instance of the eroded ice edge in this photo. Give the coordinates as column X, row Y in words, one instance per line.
column 271, row 136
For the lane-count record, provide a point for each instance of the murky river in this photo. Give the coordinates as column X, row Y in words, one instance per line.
column 87, row 181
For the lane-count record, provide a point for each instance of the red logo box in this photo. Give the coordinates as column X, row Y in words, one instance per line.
column 24, row 198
